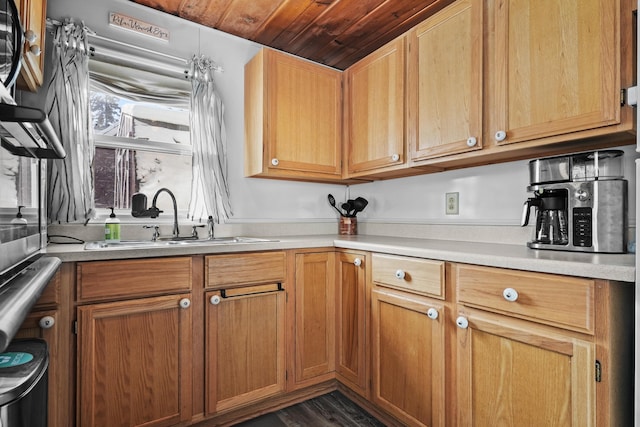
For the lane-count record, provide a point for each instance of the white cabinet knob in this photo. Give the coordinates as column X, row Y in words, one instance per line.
column 395, row 157
column 35, row 50
column 400, row 274
column 215, row 300
column 432, row 313
column 275, row 162
column 472, row 141
column 185, row 303
column 510, row 294
column 357, row 262
column 30, row 36
column 47, row 322
column 501, row 135
column 462, row 322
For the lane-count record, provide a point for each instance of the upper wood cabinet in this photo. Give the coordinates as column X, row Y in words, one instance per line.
column 555, row 68
column 33, row 15
column 375, row 111
column 445, row 82
column 293, row 118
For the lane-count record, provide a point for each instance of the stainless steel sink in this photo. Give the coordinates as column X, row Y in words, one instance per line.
column 130, row 244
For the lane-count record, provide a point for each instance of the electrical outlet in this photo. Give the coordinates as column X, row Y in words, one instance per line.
column 451, row 204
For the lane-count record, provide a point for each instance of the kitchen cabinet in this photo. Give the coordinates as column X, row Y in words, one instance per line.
column 445, row 82
column 353, row 327
column 556, row 69
column 314, row 331
column 244, row 329
column 134, row 352
column 375, row 111
column 408, row 340
column 540, row 349
column 49, row 320
column 33, row 15
column 293, row 118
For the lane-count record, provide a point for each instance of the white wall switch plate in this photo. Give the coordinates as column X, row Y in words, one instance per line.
column 451, row 204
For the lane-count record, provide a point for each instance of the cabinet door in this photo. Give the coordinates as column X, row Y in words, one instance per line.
column 314, row 341
column 556, row 67
column 513, row 373
column 445, row 82
column 375, row 110
column 408, row 364
column 135, row 362
column 44, row 325
column 245, row 346
column 33, row 15
column 293, row 118
column 352, row 328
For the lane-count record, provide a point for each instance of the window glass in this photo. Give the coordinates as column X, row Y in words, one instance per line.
column 142, row 140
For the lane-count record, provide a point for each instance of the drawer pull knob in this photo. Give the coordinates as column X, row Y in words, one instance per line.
column 500, row 135
column 357, row 262
column 47, row 322
column 432, row 313
column 185, row 303
column 472, row 141
column 462, row 322
column 215, row 300
column 510, row 294
column 275, row 162
column 400, row 274
column 395, row 157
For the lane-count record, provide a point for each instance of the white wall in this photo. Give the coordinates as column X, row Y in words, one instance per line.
column 488, row 195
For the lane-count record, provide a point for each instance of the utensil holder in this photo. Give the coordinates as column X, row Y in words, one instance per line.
column 348, row 225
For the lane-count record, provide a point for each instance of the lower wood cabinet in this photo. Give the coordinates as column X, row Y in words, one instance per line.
column 244, row 332
column 352, row 327
column 408, row 356
column 244, row 346
column 314, row 325
column 516, row 373
column 135, row 362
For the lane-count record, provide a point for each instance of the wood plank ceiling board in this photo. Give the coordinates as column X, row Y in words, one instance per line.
column 336, row 33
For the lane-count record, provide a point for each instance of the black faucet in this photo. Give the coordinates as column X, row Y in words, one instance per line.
column 139, row 208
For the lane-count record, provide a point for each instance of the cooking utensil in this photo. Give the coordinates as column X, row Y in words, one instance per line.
column 359, row 204
column 332, row 202
column 348, row 207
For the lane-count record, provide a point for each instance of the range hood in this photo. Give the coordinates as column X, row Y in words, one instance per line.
column 26, row 131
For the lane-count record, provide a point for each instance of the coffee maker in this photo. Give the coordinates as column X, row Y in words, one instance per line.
column 580, row 202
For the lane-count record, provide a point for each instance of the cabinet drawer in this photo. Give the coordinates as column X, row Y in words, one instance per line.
column 236, row 269
column 566, row 302
column 98, row 280
column 421, row 276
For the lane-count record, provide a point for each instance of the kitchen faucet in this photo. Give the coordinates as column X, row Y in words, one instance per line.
column 139, row 208
column 155, row 211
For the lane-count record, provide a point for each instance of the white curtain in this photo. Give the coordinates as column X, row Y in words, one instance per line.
column 70, row 181
column 209, row 189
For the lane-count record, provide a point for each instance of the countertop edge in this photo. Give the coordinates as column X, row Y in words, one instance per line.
column 615, row 267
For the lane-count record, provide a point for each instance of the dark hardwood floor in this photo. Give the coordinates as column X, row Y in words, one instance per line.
column 330, row 410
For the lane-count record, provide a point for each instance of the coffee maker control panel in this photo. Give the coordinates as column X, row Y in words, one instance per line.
column 582, row 227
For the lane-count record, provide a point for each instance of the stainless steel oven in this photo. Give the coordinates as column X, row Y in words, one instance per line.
column 26, row 137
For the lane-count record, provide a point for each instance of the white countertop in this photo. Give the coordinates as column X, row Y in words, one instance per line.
column 519, row 257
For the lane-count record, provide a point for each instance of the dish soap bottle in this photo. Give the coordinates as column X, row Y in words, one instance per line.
column 19, row 225
column 112, row 228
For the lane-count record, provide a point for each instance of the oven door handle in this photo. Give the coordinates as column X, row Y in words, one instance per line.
column 20, row 294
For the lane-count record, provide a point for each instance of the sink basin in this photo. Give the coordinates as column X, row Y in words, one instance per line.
column 130, row 244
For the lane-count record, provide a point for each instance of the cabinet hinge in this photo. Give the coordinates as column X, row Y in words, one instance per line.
column 75, row 327
column 629, row 96
column 598, row 372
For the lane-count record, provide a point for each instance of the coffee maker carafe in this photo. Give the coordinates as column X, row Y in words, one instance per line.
column 580, row 202
column 551, row 218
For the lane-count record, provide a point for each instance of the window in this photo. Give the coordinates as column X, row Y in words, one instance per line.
column 141, row 131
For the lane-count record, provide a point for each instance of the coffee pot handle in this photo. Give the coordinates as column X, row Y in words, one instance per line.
column 528, row 204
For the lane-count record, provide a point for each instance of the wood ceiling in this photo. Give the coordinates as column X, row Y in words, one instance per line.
column 336, row 33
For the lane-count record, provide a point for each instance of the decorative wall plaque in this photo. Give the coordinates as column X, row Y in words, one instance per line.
column 138, row 26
